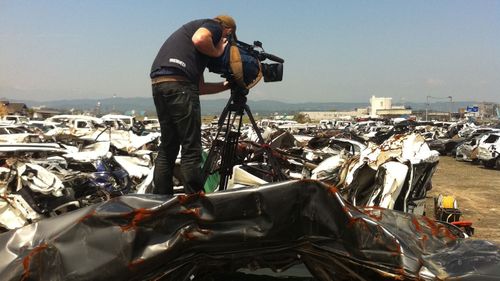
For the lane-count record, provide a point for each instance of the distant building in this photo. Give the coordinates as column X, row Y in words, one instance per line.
column 379, row 103
column 14, row 108
column 44, row 113
column 331, row 115
column 488, row 110
column 382, row 107
column 283, row 117
column 379, row 107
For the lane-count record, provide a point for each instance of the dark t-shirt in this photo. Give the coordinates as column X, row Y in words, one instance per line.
column 178, row 55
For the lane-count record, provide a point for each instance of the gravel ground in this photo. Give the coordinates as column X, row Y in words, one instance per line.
column 477, row 191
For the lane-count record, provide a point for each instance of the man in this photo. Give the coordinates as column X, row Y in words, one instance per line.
column 177, row 82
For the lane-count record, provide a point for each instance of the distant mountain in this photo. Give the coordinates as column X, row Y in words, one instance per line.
column 214, row 107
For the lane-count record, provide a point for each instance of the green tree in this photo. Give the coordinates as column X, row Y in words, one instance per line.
column 3, row 110
column 302, row 118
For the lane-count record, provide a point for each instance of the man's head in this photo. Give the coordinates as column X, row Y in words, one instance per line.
column 228, row 24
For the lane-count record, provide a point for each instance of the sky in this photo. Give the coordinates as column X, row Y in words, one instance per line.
column 334, row 51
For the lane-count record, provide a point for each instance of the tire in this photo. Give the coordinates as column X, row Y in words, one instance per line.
column 489, row 164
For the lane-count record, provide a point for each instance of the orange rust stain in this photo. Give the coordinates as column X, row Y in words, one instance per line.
column 276, row 154
column 375, row 217
column 353, row 221
column 87, row 216
column 189, row 235
column 423, row 240
column 138, row 215
column 446, row 232
column 436, row 229
column 183, row 199
column 29, row 257
column 308, row 181
column 432, row 225
column 391, row 243
column 396, row 253
column 345, row 209
column 416, row 224
column 134, row 263
column 371, row 212
column 194, row 211
column 401, row 273
column 333, row 190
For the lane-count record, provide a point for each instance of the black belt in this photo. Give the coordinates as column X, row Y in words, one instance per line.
column 169, row 78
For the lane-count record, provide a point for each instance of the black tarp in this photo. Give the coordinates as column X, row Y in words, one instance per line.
column 207, row 237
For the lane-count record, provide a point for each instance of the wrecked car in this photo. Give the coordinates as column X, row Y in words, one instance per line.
column 298, row 230
column 396, row 174
column 18, row 134
column 467, row 150
column 489, row 151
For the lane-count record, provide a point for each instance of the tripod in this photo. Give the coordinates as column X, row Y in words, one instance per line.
column 222, row 154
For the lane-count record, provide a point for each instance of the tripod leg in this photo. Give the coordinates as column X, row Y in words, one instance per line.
column 215, row 149
column 273, row 162
column 254, row 125
column 223, row 150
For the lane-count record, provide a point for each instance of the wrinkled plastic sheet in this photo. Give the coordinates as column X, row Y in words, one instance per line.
column 197, row 237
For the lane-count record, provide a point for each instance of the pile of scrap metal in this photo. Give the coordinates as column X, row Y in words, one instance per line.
column 450, row 140
column 98, row 163
column 71, row 215
column 40, row 180
column 298, row 230
column 395, row 174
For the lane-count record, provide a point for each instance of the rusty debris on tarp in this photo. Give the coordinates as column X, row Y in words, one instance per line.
column 233, row 234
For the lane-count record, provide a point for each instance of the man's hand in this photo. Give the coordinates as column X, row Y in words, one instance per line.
column 212, row 88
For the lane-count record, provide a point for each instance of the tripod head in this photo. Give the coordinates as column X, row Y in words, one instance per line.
column 239, row 96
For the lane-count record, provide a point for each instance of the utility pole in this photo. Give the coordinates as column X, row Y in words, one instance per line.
column 451, row 105
column 427, row 109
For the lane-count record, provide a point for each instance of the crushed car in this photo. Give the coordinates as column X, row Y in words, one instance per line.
column 489, row 151
column 296, row 230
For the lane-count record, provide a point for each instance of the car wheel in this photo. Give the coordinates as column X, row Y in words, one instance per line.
column 489, row 164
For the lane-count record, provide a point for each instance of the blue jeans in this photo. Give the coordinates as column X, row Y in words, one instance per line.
column 178, row 108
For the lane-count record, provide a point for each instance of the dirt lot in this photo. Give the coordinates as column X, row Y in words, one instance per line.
column 477, row 191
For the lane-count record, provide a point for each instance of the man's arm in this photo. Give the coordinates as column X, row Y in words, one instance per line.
column 202, row 40
column 212, row 88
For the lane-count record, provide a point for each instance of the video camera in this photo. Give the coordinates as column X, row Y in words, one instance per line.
column 243, row 60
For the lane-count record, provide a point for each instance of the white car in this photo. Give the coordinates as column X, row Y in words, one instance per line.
column 17, row 134
column 151, row 124
column 127, row 120
column 489, row 151
column 15, row 119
